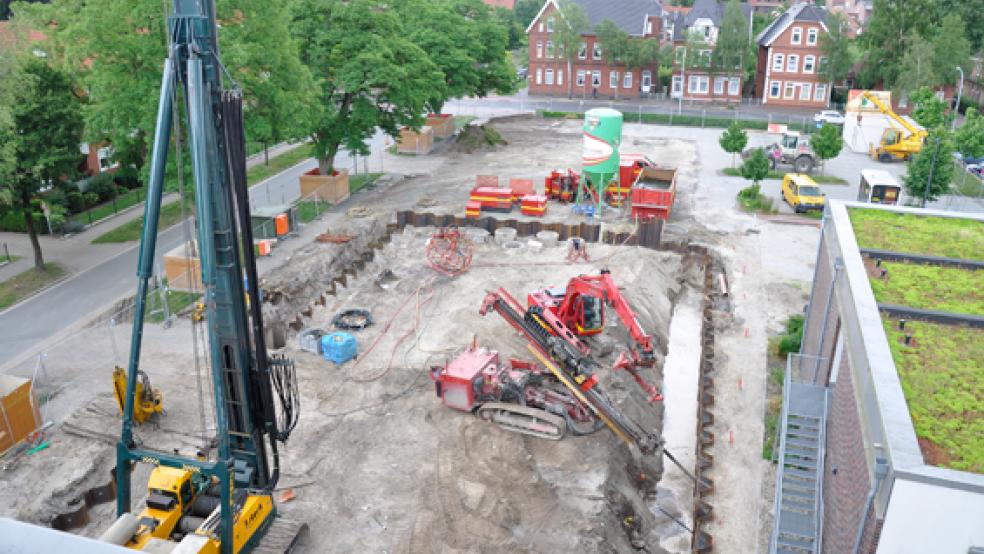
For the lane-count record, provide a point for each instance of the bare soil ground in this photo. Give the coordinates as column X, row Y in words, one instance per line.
column 377, row 463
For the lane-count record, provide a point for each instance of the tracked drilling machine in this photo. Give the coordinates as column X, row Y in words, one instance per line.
column 218, row 503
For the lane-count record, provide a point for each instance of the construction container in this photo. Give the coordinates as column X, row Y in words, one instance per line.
column 19, row 412
column 182, row 267
column 338, row 347
column 281, row 224
column 414, row 142
column 333, row 188
column 653, row 193
column 264, row 247
column 310, row 340
column 534, row 205
column 442, row 124
column 602, row 137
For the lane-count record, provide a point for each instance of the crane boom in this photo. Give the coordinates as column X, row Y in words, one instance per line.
column 886, row 110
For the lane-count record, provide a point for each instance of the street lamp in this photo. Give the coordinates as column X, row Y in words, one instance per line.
column 959, row 93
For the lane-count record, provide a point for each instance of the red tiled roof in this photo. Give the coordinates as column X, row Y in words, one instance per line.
column 508, row 4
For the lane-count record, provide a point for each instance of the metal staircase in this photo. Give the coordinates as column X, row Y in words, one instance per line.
column 799, row 480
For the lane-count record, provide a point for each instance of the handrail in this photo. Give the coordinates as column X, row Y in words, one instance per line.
column 783, row 416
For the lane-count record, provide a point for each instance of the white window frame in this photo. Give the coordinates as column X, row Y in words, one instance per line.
column 582, row 51
column 647, row 78
column 811, row 35
column 540, row 27
column 550, row 24
column 775, row 89
column 705, row 84
column 693, row 83
column 805, row 90
column 539, row 49
column 560, row 76
column 581, row 78
column 596, row 79
column 797, row 36
column 778, row 62
column 105, row 163
column 627, row 79
column 548, row 78
column 820, row 94
column 539, row 76
column 676, row 82
column 596, row 51
column 809, row 64
column 792, row 63
column 789, row 92
column 613, row 79
column 550, row 49
column 719, row 85
column 734, row 86
column 649, row 27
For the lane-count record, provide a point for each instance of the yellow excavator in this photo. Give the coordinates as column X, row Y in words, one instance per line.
column 896, row 143
column 148, row 402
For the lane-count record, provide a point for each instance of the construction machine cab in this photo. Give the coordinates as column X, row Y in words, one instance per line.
column 890, row 137
column 590, row 315
column 790, row 140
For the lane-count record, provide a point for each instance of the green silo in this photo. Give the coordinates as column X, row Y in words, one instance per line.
column 602, row 137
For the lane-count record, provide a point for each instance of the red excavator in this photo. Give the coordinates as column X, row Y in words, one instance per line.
column 581, row 307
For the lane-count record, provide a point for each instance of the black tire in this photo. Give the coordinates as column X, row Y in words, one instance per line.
column 884, row 157
column 803, row 164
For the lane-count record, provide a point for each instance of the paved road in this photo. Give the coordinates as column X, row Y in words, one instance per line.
column 44, row 315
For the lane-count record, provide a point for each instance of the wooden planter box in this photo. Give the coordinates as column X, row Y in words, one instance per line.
column 19, row 414
column 412, row 142
column 442, row 124
column 330, row 188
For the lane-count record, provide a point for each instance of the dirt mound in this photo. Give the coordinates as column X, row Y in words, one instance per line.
column 475, row 138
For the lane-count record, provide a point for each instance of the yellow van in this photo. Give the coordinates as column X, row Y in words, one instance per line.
column 801, row 192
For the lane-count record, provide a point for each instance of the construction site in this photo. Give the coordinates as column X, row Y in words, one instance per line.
column 387, row 455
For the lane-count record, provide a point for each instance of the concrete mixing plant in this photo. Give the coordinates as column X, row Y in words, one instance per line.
column 600, row 161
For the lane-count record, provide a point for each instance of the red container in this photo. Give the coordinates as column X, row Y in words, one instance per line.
column 653, row 193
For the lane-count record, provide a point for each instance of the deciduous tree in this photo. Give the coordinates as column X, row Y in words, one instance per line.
column 568, row 35
column 888, row 36
column 931, row 159
column 917, row 68
column 733, row 140
column 756, row 167
column 614, row 44
column 47, row 129
column 951, row 49
column 732, row 42
column 969, row 138
column 371, row 76
column 835, row 45
column 827, row 144
column 930, row 111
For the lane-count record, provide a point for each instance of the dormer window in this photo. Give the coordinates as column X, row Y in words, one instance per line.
column 550, row 24
column 797, row 37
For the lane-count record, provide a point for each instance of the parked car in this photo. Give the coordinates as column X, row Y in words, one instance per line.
column 521, row 72
column 974, row 168
column 970, row 160
column 829, row 116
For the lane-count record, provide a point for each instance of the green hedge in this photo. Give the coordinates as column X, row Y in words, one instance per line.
column 684, row 120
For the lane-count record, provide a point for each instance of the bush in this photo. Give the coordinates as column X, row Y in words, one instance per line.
column 792, row 339
column 103, row 186
column 75, row 201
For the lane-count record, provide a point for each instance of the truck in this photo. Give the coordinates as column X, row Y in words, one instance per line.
column 793, row 149
column 630, row 165
column 653, row 193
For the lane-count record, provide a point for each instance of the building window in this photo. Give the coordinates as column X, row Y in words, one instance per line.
column 649, row 27
column 580, row 77
column 550, row 24
column 613, row 79
column 811, row 36
column 734, row 86
column 790, row 91
column 582, row 51
column 809, row 64
column 539, row 76
column 627, row 80
column 707, row 32
column 647, row 78
column 677, row 86
column 560, row 76
column 792, row 64
column 549, row 77
column 719, row 85
column 692, row 84
column 778, row 60
column 596, row 78
column 774, row 89
column 797, row 37
column 540, row 27
column 698, row 84
column 705, row 58
column 805, row 91
column 596, row 51
column 821, row 94
column 550, row 49
column 539, row 49
column 105, row 158
column 822, row 64
column 679, row 54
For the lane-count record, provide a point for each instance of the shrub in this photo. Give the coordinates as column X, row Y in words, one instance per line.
column 103, row 186
column 792, row 339
column 75, row 201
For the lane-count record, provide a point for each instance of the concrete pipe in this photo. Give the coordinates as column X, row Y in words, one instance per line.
column 512, row 247
column 122, row 530
column 477, row 236
column 534, row 246
column 548, row 238
column 504, row 235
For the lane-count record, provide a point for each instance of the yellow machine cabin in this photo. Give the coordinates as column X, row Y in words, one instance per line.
column 900, row 141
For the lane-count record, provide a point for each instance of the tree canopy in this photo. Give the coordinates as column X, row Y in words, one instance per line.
column 756, row 167
column 930, row 111
column 969, row 138
column 828, row 143
column 733, row 140
column 568, row 36
column 732, row 42
column 46, row 119
column 931, row 160
column 835, row 45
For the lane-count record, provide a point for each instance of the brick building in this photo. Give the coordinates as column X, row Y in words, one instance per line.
column 790, row 62
column 856, row 12
column 508, row 4
column 694, row 76
column 864, row 465
column 590, row 75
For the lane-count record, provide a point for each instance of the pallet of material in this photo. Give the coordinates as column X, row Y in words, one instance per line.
column 534, row 205
column 493, row 199
column 473, row 209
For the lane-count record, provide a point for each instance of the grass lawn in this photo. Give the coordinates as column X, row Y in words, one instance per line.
column 942, row 375
column 106, row 209
column 686, row 120
column 176, row 301
column 286, row 160
column 931, row 287
column 23, row 284
column 11, row 259
column 933, row 236
column 130, row 231
column 778, row 176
